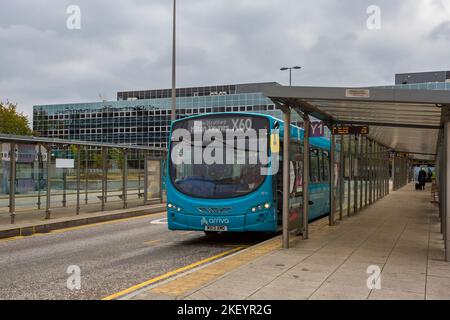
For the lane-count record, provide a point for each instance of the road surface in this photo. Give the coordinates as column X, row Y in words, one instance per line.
column 112, row 256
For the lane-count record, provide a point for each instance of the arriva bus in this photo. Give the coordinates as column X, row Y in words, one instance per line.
column 238, row 196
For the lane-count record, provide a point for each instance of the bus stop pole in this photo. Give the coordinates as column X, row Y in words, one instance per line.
column 350, row 171
column 388, row 164
column 78, row 178
column 104, row 160
column 139, row 172
column 366, row 169
column 49, row 188
column 125, row 178
column 382, row 172
column 386, row 172
column 106, row 174
column 369, row 171
column 86, row 173
column 341, row 178
column 39, row 176
column 356, row 177
column 375, row 177
column 383, row 190
column 374, row 172
column 12, row 182
column 440, row 183
column 286, row 176
column 64, row 174
column 332, row 180
column 305, row 227
column 446, row 148
column 379, row 171
column 375, row 189
column 145, row 178
column 361, row 171
column 394, row 174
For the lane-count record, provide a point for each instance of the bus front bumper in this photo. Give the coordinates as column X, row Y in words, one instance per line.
column 261, row 221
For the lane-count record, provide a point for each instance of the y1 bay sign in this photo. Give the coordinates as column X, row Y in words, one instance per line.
column 316, row 129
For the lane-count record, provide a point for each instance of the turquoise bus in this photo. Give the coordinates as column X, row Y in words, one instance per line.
column 236, row 197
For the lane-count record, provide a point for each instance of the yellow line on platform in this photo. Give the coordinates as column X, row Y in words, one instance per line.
column 170, row 274
column 195, row 280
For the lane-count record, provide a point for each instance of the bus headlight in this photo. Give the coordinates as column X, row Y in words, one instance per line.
column 173, row 207
column 261, row 207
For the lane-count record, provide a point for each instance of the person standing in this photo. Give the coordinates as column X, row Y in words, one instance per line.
column 422, row 178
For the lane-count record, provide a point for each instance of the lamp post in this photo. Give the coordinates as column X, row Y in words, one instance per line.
column 174, row 93
column 290, row 72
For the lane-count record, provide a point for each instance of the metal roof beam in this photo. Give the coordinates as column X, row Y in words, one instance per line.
column 387, row 124
column 38, row 140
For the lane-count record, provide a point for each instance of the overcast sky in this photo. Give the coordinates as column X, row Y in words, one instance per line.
column 126, row 45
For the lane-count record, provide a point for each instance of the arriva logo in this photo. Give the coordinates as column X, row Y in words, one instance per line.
column 219, row 221
column 204, row 222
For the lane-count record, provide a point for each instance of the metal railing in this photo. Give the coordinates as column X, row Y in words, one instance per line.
column 45, row 174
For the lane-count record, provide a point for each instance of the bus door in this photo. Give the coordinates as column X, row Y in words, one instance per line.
column 296, row 186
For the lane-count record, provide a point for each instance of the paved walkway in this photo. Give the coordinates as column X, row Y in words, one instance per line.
column 398, row 235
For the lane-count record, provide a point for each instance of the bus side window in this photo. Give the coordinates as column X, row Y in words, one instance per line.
column 314, row 171
column 321, row 173
column 299, row 176
column 326, row 166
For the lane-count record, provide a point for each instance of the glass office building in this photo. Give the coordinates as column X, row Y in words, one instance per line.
column 422, row 86
column 143, row 117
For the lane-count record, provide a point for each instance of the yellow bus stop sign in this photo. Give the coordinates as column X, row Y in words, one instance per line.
column 275, row 142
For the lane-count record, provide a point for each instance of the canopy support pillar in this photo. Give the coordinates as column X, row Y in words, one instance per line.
column 286, row 175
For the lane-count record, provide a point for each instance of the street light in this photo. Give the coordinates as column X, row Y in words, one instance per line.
column 290, row 72
column 174, row 92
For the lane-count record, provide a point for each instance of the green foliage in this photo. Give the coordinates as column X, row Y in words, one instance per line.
column 12, row 121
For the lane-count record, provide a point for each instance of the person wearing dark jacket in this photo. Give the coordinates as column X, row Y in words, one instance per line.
column 422, row 178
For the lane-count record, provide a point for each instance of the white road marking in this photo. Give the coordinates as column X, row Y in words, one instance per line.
column 159, row 221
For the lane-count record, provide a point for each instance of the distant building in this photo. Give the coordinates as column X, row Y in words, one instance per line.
column 422, row 77
column 143, row 117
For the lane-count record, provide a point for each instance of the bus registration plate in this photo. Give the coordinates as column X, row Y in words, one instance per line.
column 216, row 228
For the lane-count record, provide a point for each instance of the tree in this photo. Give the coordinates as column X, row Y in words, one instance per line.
column 12, row 121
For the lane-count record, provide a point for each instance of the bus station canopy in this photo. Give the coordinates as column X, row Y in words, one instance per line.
column 407, row 121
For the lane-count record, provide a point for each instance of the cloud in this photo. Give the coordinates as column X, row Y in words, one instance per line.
column 125, row 45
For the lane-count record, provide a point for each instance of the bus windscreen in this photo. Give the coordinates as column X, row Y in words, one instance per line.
column 221, row 155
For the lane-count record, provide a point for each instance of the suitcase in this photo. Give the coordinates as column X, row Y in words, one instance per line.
column 418, row 186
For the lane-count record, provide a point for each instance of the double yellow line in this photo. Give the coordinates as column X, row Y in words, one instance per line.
column 170, row 274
